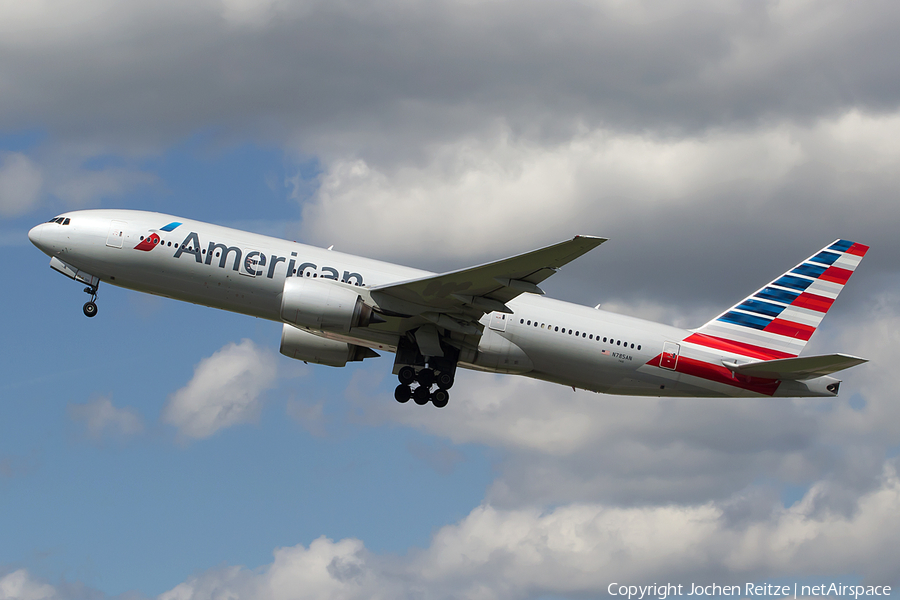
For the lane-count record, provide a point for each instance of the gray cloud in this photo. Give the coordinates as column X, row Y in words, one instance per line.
column 394, row 74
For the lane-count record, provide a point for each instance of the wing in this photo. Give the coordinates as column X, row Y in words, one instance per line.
column 804, row 367
column 464, row 296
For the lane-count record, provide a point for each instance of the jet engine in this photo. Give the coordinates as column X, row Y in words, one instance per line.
column 308, row 347
column 324, row 305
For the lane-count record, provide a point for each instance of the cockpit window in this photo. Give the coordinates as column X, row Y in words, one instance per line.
column 66, row 222
column 54, row 220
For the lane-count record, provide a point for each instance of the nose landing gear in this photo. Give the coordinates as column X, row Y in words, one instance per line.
column 90, row 307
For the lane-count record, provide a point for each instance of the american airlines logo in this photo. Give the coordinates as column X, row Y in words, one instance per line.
column 152, row 240
column 254, row 263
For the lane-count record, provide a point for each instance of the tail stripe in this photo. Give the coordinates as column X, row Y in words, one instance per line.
column 735, row 347
column 810, row 270
column 802, row 315
column 778, row 295
column 821, row 287
column 841, row 245
column 825, row 257
column 790, row 281
column 837, row 275
column 761, row 308
column 747, row 320
column 779, row 319
column 813, row 302
column 858, row 250
column 790, row 329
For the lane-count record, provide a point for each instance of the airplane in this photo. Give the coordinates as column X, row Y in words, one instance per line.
column 337, row 308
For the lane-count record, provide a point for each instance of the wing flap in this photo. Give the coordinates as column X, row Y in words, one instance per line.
column 797, row 369
column 484, row 288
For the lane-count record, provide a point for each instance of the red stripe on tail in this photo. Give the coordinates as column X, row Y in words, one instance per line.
column 790, row 329
column 836, row 275
column 813, row 302
column 735, row 347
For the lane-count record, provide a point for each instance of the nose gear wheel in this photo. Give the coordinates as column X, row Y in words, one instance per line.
column 90, row 307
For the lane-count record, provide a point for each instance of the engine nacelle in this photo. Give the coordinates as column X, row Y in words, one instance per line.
column 323, row 305
column 308, row 347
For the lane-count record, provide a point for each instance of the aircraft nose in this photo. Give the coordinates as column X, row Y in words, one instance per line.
column 35, row 235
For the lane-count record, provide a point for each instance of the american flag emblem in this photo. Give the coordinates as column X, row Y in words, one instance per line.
column 606, row 352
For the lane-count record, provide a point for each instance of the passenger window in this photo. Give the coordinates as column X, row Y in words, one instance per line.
column 639, row 346
column 535, row 323
column 619, row 343
column 576, row 333
column 521, row 320
column 632, row 345
column 590, row 337
column 542, row 325
column 556, row 328
column 529, row 321
column 583, row 335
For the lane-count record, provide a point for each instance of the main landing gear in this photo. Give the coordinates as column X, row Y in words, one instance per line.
column 90, row 307
column 424, row 386
column 424, row 378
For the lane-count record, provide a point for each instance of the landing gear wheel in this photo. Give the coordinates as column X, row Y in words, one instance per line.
column 440, row 398
column 425, row 377
column 421, row 395
column 90, row 309
column 407, row 375
column 402, row 393
column 445, row 381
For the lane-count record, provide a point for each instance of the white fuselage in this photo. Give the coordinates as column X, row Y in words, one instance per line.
column 244, row 272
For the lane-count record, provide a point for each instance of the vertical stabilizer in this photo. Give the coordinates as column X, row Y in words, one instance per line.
column 778, row 320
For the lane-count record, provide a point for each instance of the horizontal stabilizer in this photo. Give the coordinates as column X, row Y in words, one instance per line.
column 797, row 369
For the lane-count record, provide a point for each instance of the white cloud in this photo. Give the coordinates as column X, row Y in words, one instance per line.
column 20, row 184
column 579, row 549
column 226, row 390
column 101, row 419
column 20, row 585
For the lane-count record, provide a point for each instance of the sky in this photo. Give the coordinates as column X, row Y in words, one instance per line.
column 716, row 144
